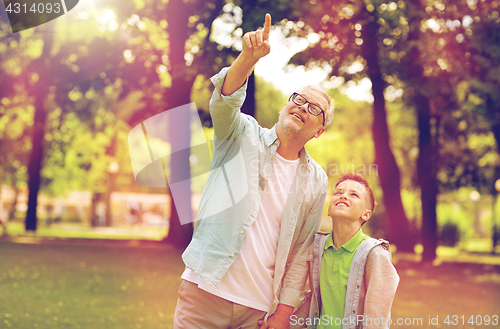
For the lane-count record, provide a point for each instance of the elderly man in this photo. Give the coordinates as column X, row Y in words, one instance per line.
column 248, row 263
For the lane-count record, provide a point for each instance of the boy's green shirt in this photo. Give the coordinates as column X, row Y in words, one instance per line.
column 334, row 273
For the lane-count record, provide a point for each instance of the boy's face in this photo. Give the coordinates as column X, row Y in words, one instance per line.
column 351, row 201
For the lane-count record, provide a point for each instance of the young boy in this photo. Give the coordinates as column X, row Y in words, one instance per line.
column 357, row 281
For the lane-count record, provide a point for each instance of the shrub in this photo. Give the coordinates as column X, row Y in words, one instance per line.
column 450, row 234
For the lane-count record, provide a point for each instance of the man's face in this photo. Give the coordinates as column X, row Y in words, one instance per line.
column 296, row 120
column 351, row 201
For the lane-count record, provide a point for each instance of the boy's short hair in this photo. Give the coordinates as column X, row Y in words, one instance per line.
column 360, row 179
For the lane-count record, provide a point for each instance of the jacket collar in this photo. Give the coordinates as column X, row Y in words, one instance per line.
column 350, row 245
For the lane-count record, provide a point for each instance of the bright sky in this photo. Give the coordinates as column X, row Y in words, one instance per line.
column 273, row 69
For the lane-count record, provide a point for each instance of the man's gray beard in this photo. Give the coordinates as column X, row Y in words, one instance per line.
column 288, row 129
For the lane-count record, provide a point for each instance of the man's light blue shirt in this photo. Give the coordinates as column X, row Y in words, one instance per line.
column 231, row 200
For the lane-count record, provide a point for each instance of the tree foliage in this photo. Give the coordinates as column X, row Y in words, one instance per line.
column 71, row 90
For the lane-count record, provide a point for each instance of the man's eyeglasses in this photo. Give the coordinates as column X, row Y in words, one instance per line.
column 312, row 108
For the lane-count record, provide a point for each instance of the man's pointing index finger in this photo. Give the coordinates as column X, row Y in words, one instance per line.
column 267, row 27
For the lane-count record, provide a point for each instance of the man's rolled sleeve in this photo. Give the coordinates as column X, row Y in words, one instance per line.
column 225, row 110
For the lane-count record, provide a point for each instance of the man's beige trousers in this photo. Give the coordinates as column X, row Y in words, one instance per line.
column 197, row 308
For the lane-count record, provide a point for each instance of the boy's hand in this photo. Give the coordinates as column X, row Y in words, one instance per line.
column 256, row 43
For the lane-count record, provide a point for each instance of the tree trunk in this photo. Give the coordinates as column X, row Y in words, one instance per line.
column 111, row 183
column 249, row 104
column 400, row 233
column 3, row 221
column 94, row 219
column 179, row 94
column 180, row 233
column 12, row 210
column 40, row 91
column 427, row 179
column 413, row 75
column 496, row 233
column 107, row 199
column 1, row 182
column 35, row 164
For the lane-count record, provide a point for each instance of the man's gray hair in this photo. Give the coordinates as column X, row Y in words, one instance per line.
column 329, row 111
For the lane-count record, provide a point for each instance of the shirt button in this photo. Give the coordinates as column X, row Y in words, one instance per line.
column 232, row 255
column 258, row 196
column 254, row 212
column 242, row 232
column 265, row 176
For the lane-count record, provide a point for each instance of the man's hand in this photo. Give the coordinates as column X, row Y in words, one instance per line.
column 256, row 43
column 280, row 319
column 255, row 46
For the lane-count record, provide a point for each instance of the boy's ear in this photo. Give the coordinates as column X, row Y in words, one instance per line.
column 366, row 215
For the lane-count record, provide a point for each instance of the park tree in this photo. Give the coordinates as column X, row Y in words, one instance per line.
column 39, row 91
column 59, row 76
column 479, row 37
column 419, row 95
column 350, row 42
column 416, row 59
column 420, row 48
column 447, row 66
column 53, row 73
column 428, row 51
column 15, row 119
column 151, row 54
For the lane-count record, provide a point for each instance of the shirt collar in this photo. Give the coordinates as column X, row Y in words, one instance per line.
column 329, row 241
column 271, row 137
column 350, row 245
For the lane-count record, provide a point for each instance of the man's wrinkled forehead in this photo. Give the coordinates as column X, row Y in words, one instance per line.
column 314, row 96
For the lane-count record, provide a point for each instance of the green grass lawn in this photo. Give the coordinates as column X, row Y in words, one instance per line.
column 130, row 232
column 94, row 287
column 81, row 286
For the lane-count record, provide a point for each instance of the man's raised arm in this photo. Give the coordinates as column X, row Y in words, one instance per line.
column 255, row 46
